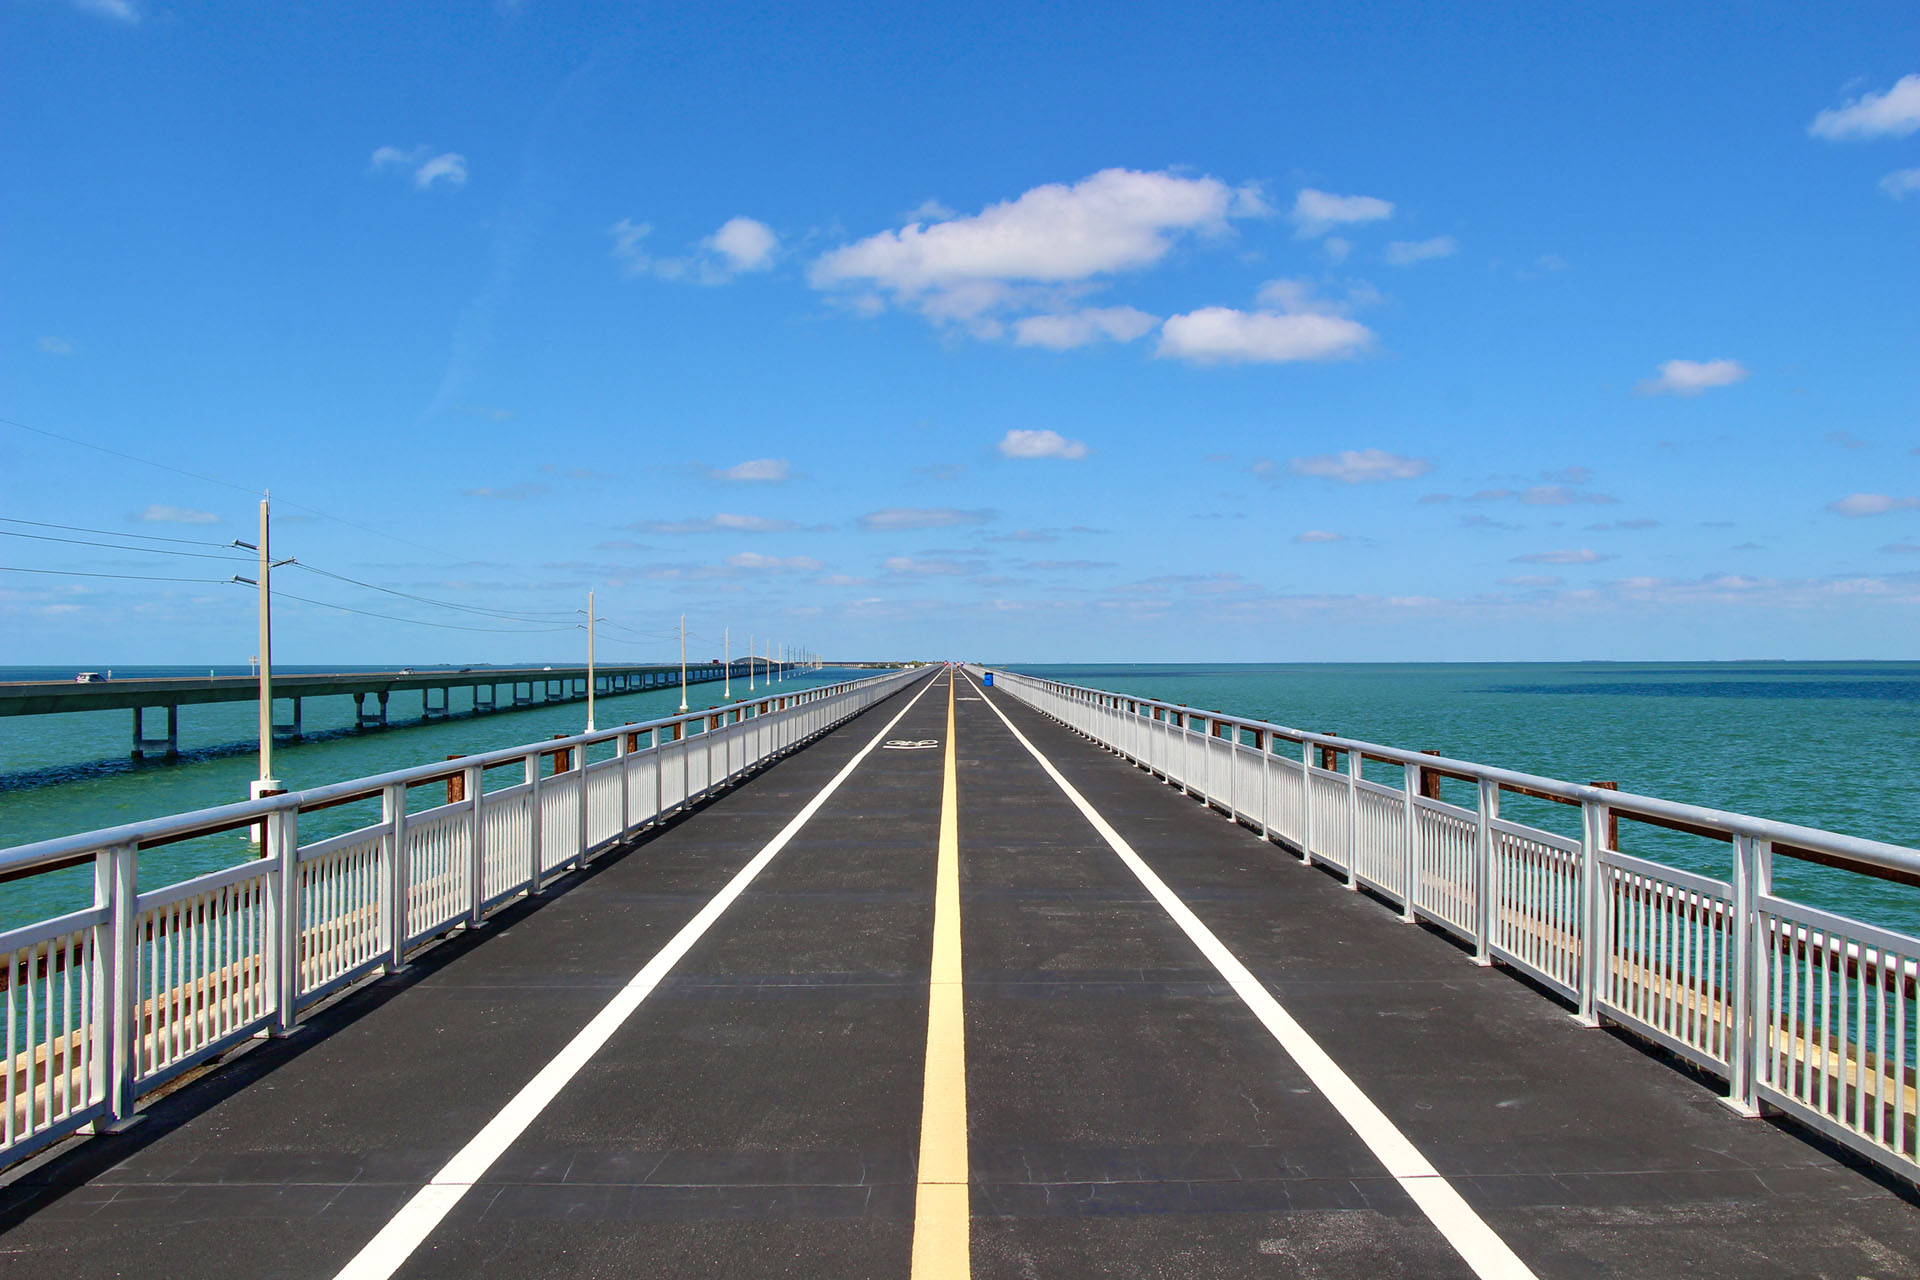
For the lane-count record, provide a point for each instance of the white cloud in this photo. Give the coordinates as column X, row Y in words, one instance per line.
column 774, row 564
column 1215, row 335
column 627, row 235
column 740, row 245
column 55, row 346
column 760, row 470
column 1336, row 248
column 1018, row 443
column 930, row 566
column 1319, row 535
column 1584, row 555
column 1019, row 254
column 519, row 492
column 1360, row 466
column 1691, row 377
column 1531, row 580
column 1404, row 253
column 1317, row 212
column 724, row 522
column 744, row 244
column 1871, row 504
column 1559, row 495
column 1063, row 331
column 449, row 167
column 159, row 513
column 1901, row 183
column 896, row 519
column 1893, row 114
column 119, row 10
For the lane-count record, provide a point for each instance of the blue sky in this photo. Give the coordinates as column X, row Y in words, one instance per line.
column 1305, row 332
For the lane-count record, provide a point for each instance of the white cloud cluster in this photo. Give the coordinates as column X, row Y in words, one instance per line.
column 1030, row 253
column 899, row 519
column 1691, row 377
column 753, row 560
column 1871, row 504
column 1893, row 114
column 1318, row 212
column 160, row 513
column 1019, row 443
column 1901, row 183
column 54, row 346
column 723, row 522
column 740, row 246
column 1404, row 253
column 1216, row 335
column 754, row 470
column 427, row 168
column 1319, row 535
column 1360, row 466
column 118, row 10
column 1581, row 555
column 1062, row 331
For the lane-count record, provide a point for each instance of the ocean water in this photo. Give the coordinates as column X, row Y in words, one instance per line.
column 1834, row 745
column 61, row 774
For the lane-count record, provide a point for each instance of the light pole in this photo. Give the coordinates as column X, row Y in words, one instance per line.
column 726, row 655
column 749, row 662
column 683, row 662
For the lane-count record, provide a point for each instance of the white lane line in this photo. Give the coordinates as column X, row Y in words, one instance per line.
column 396, row 1241
column 1464, row 1229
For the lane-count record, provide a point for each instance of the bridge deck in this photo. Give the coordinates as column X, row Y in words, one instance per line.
column 759, row 1111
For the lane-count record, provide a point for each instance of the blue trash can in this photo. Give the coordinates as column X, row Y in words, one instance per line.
column 987, row 679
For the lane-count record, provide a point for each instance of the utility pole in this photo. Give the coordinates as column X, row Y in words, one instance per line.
column 726, row 653
column 749, row 662
column 590, row 621
column 683, row 662
column 266, row 783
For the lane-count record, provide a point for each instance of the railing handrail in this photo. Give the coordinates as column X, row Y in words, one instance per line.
column 1877, row 854
column 240, row 813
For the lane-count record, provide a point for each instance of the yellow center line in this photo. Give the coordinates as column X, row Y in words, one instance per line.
column 941, row 1211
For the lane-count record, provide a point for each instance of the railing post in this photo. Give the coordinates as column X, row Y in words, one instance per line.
column 1747, row 1002
column 283, row 929
column 622, row 748
column 115, row 883
column 1483, row 871
column 586, row 822
column 534, row 822
column 1410, row 841
column 1263, row 743
column 393, row 914
column 1353, row 819
column 1594, row 945
column 476, row 845
column 1306, row 798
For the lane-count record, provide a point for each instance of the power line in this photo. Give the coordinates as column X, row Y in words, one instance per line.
column 445, row 626
column 509, row 614
column 100, row 448
column 112, row 533
column 128, row 577
column 111, row 546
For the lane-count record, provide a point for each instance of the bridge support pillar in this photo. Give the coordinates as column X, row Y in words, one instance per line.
column 366, row 719
column 169, row 745
column 289, row 732
column 520, row 700
column 428, row 711
column 489, row 703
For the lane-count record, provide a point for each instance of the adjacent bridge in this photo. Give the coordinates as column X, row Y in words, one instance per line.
column 371, row 691
column 909, row 977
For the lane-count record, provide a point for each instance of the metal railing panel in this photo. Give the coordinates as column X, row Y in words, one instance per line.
column 338, row 885
column 55, row 1005
column 1329, row 818
column 603, row 802
column 1838, row 1028
column 507, row 837
column 200, row 976
column 1380, row 849
column 560, row 798
column 1539, row 914
column 1446, row 889
column 439, row 886
column 1668, row 956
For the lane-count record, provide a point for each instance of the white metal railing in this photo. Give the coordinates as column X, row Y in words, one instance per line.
column 1795, row 1007
column 108, row 1003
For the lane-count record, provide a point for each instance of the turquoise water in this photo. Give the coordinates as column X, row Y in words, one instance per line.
column 1834, row 745
column 61, row 774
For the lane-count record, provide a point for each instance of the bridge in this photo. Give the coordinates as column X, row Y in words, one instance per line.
column 956, row 972
column 370, row 690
